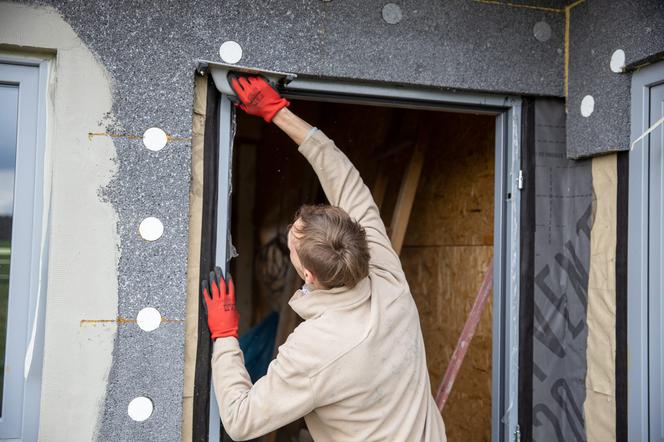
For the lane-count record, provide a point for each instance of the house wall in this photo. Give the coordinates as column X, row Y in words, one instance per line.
column 84, row 242
column 148, row 51
column 597, row 29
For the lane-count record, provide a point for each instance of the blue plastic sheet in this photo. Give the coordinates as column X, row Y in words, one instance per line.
column 257, row 344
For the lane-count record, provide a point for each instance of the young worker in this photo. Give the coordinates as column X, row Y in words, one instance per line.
column 355, row 368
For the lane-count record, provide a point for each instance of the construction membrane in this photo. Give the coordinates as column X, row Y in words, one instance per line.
column 563, row 221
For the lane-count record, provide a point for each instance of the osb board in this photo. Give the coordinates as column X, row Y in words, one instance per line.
column 444, row 282
column 449, row 245
column 456, row 187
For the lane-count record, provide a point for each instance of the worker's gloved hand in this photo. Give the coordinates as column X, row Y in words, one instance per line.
column 220, row 306
column 257, row 97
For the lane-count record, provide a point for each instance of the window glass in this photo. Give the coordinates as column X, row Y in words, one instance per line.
column 8, row 120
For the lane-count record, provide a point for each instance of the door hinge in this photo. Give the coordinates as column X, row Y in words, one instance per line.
column 517, row 434
column 519, row 180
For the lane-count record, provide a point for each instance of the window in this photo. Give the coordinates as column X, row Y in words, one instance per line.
column 8, row 123
column 646, row 257
column 21, row 244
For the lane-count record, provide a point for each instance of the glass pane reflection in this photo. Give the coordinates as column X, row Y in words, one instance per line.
column 8, row 120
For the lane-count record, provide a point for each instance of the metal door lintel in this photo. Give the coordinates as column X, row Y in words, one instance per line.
column 220, row 71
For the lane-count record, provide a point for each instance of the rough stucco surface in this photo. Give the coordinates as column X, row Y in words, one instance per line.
column 83, row 249
column 597, row 29
column 149, row 47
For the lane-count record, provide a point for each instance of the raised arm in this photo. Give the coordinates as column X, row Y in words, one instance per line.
column 340, row 180
column 343, row 187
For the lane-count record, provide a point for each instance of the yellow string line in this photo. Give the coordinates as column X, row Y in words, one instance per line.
column 121, row 320
column 575, row 4
column 131, row 137
column 520, row 5
column 566, row 71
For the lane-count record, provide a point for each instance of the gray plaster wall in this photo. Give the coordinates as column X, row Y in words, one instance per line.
column 597, row 29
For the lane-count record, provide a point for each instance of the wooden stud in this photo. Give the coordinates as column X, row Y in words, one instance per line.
column 379, row 188
column 409, row 182
column 465, row 339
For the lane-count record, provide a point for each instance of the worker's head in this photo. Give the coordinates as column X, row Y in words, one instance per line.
column 328, row 248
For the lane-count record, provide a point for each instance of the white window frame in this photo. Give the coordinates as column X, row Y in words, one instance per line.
column 645, row 283
column 25, row 317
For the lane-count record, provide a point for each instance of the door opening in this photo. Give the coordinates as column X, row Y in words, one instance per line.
column 469, row 182
column 447, row 244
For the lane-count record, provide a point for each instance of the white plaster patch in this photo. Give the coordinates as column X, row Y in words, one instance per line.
column 151, row 228
column 392, row 13
column 140, row 408
column 542, row 31
column 230, row 52
column 587, row 105
column 155, row 139
column 148, row 319
column 81, row 89
column 618, row 61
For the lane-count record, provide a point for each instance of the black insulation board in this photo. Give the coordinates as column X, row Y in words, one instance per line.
column 597, row 29
column 149, row 48
column 563, row 218
column 527, row 269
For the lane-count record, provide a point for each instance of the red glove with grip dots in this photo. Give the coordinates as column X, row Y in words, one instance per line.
column 220, row 307
column 257, row 97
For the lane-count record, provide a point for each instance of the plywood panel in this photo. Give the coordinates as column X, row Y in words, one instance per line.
column 444, row 282
column 449, row 245
column 456, row 187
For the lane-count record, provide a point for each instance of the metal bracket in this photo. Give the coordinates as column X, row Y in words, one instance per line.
column 219, row 72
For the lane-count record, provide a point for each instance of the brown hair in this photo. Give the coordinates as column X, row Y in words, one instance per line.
column 331, row 245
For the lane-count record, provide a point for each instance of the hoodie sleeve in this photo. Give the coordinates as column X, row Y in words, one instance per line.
column 248, row 411
column 344, row 188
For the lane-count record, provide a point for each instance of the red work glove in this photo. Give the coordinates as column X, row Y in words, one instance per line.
column 257, row 97
column 220, row 307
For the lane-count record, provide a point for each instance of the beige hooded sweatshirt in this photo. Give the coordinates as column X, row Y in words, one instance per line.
column 355, row 368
